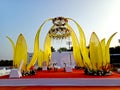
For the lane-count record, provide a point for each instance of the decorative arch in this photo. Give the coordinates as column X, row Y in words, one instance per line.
column 95, row 59
column 60, row 30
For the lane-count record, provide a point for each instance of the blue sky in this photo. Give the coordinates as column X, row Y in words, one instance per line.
column 25, row 16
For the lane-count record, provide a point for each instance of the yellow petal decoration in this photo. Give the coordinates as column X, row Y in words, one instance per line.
column 21, row 52
column 47, row 49
column 36, row 51
column 76, row 48
column 13, row 46
column 40, row 58
column 103, row 52
column 107, row 50
column 36, row 46
column 96, row 56
column 83, row 48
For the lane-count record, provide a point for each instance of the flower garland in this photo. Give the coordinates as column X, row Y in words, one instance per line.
column 59, row 31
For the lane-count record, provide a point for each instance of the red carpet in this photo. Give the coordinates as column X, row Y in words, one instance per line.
column 74, row 74
column 61, row 74
column 58, row 88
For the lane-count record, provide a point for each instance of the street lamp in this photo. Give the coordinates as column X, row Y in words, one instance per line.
column 69, row 43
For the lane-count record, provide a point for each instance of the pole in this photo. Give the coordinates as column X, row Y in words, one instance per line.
column 70, row 59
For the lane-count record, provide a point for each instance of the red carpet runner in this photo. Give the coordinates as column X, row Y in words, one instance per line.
column 61, row 74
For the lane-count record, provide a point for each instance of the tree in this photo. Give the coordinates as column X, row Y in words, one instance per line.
column 52, row 49
column 6, row 63
column 115, row 50
column 62, row 49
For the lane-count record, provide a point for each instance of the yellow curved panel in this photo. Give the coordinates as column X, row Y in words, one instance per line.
column 36, row 51
column 107, row 49
column 47, row 49
column 13, row 46
column 40, row 58
column 36, row 46
column 83, row 48
column 21, row 52
column 96, row 56
column 46, row 54
column 76, row 48
column 11, row 41
column 103, row 51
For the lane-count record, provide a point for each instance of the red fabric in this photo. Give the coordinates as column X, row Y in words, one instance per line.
column 32, row 68
column 61, row 74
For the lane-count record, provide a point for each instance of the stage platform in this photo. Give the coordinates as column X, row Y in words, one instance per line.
column 61, row 78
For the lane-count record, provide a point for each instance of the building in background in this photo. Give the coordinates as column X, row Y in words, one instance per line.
column 60, row 58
